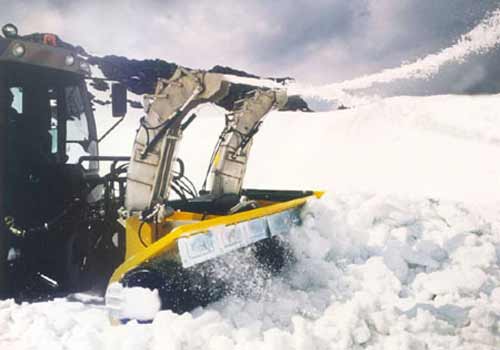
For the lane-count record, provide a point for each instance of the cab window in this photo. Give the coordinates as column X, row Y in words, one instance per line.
column 54, row 136
column 77, row 128
column 17, row 104
column 50, row 119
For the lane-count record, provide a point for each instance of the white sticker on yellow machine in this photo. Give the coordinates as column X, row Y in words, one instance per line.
column 220, row 240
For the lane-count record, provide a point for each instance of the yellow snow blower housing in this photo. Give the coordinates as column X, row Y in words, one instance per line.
column 192, row 238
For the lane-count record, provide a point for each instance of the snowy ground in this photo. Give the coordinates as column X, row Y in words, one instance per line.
column 414, row 267
column 373, row 272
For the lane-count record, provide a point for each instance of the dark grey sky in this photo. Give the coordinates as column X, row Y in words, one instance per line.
column 316, row 41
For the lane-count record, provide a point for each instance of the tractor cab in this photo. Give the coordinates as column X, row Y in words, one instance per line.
column 46, row 127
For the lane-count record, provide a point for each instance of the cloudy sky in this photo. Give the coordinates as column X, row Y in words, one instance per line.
column 315, row 41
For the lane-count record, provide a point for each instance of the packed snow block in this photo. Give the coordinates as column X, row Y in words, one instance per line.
column 462, row 280
column 481, row 255
column 452, row 314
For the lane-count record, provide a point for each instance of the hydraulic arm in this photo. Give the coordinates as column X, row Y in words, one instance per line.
column 154, row 153
column 230, row 160
column 155, row 146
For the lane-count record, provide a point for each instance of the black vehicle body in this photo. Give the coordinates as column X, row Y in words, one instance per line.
column 57, row 215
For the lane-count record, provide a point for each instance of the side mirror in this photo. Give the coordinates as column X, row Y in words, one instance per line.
column 119, row 98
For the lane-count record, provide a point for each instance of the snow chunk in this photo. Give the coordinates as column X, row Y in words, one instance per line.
column 483, row 255
column 133, row 302
column 464, row 281
column 454, row 315
column 376, row 278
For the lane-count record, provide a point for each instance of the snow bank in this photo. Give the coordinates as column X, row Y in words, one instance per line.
column 373, row 272
column 438, row 146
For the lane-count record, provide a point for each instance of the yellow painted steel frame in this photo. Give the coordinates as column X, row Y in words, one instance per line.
column 152, row 246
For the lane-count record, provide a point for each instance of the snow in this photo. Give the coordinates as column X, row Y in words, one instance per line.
column 132, row 303
column 402, row 253
column 372, row 271
column 435, row 146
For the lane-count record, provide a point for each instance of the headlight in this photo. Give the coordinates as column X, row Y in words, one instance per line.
column 18, row 50
column 69, row 60
column 9, row 31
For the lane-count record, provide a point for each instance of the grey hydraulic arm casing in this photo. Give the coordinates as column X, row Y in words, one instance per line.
column 230, row 161
column 155, row 146
column 154, row 152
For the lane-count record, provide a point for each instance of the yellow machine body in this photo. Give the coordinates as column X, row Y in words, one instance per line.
column 149, row 241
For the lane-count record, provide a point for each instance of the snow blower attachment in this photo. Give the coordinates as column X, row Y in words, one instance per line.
column 64, row 228
column 172, row 244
